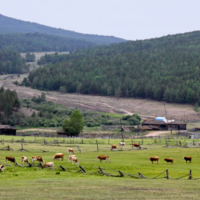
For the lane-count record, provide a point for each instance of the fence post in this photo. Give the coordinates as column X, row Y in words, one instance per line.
column 190, row 176
column 167, row 174
column 97, row 146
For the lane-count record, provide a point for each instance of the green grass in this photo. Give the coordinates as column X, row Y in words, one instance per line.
column 36, row 183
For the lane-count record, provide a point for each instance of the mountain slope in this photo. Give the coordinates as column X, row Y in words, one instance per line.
column 166, row 68
column 10, row 25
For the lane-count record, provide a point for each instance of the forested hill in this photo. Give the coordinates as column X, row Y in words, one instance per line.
column 37, row 42
column 166, row 68
column 11, row 62
column 11, row 25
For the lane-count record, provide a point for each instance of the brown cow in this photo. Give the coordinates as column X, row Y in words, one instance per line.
column 169, row 160
column 136, row 145
column 114, row 146
column 58, row 155
column 70, row 150
column 103, row 158
column 154, row 159
column 187, row 159
column 37, row 158
column 49, row 164
column 11, row 159
column 2, row 168
column 75, row 160
column 70, row 157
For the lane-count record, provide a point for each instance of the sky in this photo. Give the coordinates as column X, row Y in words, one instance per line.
column 127, row 19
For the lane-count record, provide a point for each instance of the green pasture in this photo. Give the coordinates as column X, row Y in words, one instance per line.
column 17, row 182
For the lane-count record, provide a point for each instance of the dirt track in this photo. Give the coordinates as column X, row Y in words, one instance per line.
column 157, row 133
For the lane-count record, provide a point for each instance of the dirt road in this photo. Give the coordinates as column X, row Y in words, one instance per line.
column 157, row 133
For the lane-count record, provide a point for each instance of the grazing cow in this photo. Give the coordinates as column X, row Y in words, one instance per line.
column 2, row 168
column 37, row 158
column 114, row 146
column 24, row 159
column 58, row 155
column 122, row 144
column 75, row 160
column 169, row 160
column 70, row 157
column 48, row 164
column 187, row 159
column 136, row 145
column 103, row 158
column 154, row 159
column 70, row 150
column 11, row 159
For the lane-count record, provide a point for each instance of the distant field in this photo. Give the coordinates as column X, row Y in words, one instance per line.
column 18, row 183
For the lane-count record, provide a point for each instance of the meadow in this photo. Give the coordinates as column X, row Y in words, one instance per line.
column 37, row 183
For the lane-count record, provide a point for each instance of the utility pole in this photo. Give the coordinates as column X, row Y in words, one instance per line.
column 122, row 131
column 165, row 110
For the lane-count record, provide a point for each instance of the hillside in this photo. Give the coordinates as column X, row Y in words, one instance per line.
column 10, row 25
column 166, row 68
column 38, row 42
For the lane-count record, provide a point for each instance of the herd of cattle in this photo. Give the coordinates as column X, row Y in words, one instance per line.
column 168, row 160
column 75, row 160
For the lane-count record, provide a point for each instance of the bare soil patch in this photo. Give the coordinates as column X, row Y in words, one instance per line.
column 28, row 112
column 157, row 133
column 37, row 130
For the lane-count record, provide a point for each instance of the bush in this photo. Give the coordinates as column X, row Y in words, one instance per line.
column 126, row 117
column 133, row 121
column 137, row 117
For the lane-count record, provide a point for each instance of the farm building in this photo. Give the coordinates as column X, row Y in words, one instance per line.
column 177, row 125
column 162, row 125
column 7, row 130
column 155, row 124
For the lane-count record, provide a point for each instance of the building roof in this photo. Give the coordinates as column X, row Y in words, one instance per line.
column 6, row 127
column 153, row 122
column 177, row 123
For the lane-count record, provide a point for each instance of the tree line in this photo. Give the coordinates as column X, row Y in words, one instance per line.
column 38, row 42
column 11, row 62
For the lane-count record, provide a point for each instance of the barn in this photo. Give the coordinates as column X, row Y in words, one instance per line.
column 176, row 125
column 155, row 124
column 7, row 130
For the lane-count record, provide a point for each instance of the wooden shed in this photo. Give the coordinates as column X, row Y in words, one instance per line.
column 176, row 125
column 155, row 125
column 7, row 130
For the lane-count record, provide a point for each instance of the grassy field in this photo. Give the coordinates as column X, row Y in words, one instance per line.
column 36, row 183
